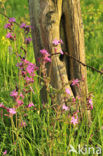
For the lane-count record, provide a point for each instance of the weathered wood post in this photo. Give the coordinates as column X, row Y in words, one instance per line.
column 55, row 19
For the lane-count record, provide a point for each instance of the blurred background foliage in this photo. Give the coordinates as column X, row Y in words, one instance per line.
column 92, row 13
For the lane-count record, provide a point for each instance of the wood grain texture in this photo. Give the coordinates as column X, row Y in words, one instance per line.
column 55, row 19
column 45, row 18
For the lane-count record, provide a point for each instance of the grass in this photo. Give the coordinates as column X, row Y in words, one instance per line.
column 45, row 134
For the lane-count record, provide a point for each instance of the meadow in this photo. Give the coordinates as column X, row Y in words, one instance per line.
column 39, row 130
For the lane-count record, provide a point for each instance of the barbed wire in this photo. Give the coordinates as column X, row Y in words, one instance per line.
column 65, row 53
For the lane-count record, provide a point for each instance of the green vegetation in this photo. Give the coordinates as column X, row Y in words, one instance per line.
column 46, row 132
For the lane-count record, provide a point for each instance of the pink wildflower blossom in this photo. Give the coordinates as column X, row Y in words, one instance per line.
column 23, row 124
column 91, row 103
column 44, row 52
column 21, row 95
column 60, row 41
column 27, row 28
column 55, row 50
column 12, row 111
column 25, row 61
column 19, row 103
column 9, row 35
column 1, row 105
column 55, row 42
column 67, row 91
column 5, row 152
column 23, row 73
column 28, row 40
column 32, row 75
column 8, row 25
column 73, row 99
column 75, row 82
column 91, row 107
column 19, row 64
column 45, row 55
column 65, row 107
column 61, row 52
column 11, row 20
column 22, row 25
column 47, row 59
column 78, row 97
column 14, row 93
column 74, row 120
column 30, row 68
column 29, row 79
column 30, row 105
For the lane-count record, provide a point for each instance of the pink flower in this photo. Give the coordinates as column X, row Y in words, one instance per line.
column 75, row 82
column 47, row 59
column 23, row 25
column 45, row 55
column 23, row 73
column 11, row 20
column 30, row 68
column 78, row 97
column 28, row 40
column 60, row 41
column 29, row 79
column 1, row 105
column 73, row 99
column 30, row 105
column 55, row 49
column 21, row 95
column 27, row 28
column 74, row 120
column 23, row 124
column 67, row 91
column 8, row 25
column 91, row 103
column 55, row 42
column 91, row 107
column 12, row 111
column 9, row 35
column 19, row 102
column 61, row 52
column 5, row 152
column 44, row 52
column 14, row 93
column 65, row 107
column 19, row 64
column 32, row 75
column 25, row 61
